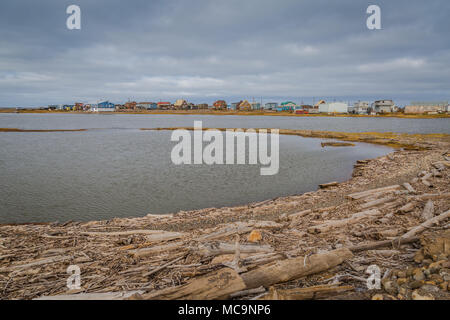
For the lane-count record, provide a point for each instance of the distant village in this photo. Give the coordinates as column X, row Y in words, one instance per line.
column 360, row 107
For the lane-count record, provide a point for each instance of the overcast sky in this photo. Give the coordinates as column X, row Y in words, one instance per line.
column 202, row 50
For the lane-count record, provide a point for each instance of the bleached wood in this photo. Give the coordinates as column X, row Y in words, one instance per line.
column 363, row 194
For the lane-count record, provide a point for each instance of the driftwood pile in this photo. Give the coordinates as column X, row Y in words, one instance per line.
column 281, row 250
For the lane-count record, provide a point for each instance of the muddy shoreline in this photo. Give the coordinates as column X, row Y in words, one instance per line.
column 167, row 256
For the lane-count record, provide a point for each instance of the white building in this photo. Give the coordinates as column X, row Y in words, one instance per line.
column 333, row 107
column 383, row 106
column 427, row 107
column 360, row 107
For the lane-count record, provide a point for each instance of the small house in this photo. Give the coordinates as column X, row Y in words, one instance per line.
column 271, row 106
column 104, row 106
column 147, row 105
column 164, row 105
column 244, row 106
column 287, row 106
column 180, row 104
column 256, row 106
column 383, row 106
column 220, row 105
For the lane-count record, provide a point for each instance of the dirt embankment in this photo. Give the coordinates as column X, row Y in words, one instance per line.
column 392, row 214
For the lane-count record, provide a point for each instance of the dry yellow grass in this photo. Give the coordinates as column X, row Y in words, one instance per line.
column 243, row 113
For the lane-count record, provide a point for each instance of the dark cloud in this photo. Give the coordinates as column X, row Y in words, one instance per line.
column 204, row 49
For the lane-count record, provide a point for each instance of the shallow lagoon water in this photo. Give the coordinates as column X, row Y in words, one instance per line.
column 106, row 173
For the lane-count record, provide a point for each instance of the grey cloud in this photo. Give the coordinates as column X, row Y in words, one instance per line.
column 205, row 49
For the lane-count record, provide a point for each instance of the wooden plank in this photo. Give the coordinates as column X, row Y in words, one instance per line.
column 291, row 269
column 310, row 293
column 151, row 235
column 330, row 224
column 363, row 194
column 92, row 296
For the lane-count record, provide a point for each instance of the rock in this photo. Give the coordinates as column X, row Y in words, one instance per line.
column 378, row 297
column 436, row 266
column 436, row 278
column 418, row 258
column 445, row 274
column 442, row 256
column 401, row 274
column 444, row 286
column 389, row 287
column 417, row 296
column 409, row 271
column 416, row 284
column 254, row 236
column 403, row 291
column 418, row 275
column 401, row 281
column 430, row 288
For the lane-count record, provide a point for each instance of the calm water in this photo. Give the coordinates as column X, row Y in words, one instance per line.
column 88, row 121
column 110, row 173
column 120, row 171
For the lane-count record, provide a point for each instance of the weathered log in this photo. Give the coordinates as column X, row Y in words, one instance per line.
column 427, row 224
column 151, row 235
column 248, row 292
column 239, row 228
column 436, row 173
column 431, row 196
column 92, row 296
column 363, row 194
column 385, row 243
column 163, row 266
column 409, row 187
column 35, row 263
column 328, row 185
column 340, row 223
column 143, row 252
column 216, row 285
column 227, row 281
column 311, row 293
column 407, row 207
column 427, row 183
column 376, row 202
column 439, row 166
column 428, row 210
column 427, row 176
column 299, row 215
column 260, row 259
column 217, row 249
column 291, row 269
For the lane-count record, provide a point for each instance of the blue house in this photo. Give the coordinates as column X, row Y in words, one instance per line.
column 104, row 106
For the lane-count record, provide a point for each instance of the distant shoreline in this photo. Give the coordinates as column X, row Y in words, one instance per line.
column 238, row 113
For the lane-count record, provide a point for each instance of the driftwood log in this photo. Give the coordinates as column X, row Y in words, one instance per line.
column 363, row 194
column 223, row 283
column 343, row 222
column 310, row 293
